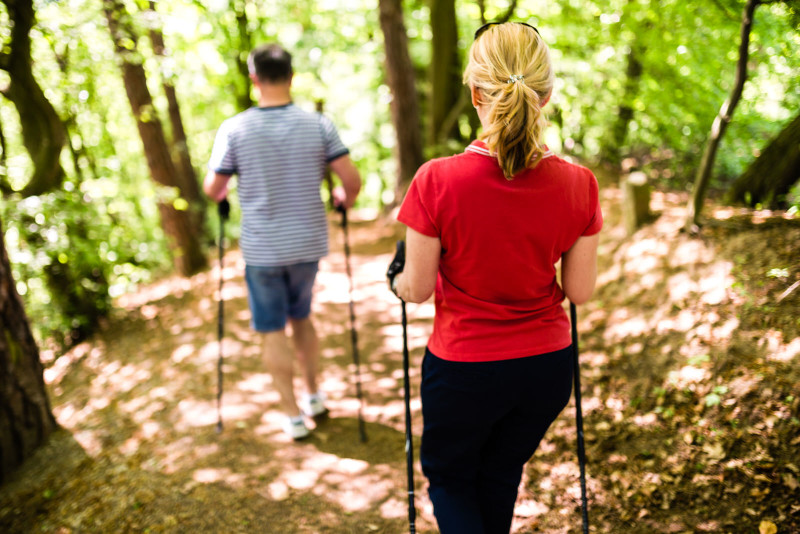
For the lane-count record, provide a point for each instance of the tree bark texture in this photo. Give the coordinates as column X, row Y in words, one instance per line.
column 180, row 147
column 239, row 8
column 771, row 175
column 445, row 69
column 703, row 176
column 42, row 130
column 182, row 234
column 25, row 415
column 402, row 82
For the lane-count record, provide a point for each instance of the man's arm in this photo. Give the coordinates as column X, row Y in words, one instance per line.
column 216, row 185
column 351, row 180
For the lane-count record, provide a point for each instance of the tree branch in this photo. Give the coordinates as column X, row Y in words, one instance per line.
column 723, row 118
column 730, row 14
column 503, row 18
column 452, row 117
column 509, row 11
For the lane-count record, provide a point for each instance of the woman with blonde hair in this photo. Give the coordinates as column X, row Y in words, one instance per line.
column 485, row 230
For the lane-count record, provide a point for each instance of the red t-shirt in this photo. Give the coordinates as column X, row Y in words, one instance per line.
column 497, row 297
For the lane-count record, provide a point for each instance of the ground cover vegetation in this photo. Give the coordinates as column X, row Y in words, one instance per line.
column 108, row 112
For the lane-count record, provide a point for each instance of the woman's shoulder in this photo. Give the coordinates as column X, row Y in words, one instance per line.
column 474, row 158
column 441, row 167
column 567, row 164
column 567, row 169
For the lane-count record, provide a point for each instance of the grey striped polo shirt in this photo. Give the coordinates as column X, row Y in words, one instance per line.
column 280, row 155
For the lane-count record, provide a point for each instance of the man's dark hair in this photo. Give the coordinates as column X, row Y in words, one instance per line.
column 270, row 63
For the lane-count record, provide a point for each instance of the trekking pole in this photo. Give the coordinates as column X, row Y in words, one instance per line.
column 412, row 512
column 224, row 209
column 362, row 433
column 395, row 268
column 573, row 315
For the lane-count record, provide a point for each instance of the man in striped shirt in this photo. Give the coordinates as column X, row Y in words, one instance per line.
column 280, row 154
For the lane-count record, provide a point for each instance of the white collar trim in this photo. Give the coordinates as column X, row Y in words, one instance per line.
column 485, row 151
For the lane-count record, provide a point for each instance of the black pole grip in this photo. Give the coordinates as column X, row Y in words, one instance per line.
column 224, row 209
column 397, row 264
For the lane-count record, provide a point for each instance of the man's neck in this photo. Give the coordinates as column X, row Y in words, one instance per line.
column 270, row 96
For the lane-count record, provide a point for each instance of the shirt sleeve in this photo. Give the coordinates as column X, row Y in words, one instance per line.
column 418, row 208
column 223, row 154
column 334, row 148
column 596, row 218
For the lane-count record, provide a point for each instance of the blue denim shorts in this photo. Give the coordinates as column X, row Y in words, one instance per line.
column 275, row 293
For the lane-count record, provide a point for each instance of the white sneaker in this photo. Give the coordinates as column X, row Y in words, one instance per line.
column 296, row 428
column 313, row 405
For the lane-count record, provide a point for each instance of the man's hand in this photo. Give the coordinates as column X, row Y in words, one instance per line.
column 224, row 209
column 396, row 266
column 339, row 198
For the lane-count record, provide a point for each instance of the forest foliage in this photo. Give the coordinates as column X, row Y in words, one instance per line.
column 639, row 83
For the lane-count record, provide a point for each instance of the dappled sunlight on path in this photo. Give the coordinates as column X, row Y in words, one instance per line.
column 144, row 393
column 689, row 361
column 673, row 375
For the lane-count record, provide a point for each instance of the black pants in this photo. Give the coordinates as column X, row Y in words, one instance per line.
column 482, row 422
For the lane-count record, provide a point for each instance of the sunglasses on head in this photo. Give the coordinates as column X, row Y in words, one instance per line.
column 488, row 25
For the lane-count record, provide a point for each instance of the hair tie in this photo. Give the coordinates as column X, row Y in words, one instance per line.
column 516, row 78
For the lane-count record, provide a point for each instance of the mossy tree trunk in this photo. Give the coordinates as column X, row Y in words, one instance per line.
column 25, row 415
column 43, row 133
column 243, row 99
column 773, row 172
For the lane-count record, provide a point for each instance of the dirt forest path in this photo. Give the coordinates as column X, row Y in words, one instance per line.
column 690, row 371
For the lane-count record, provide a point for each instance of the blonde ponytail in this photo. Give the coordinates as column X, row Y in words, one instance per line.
column 510, row 65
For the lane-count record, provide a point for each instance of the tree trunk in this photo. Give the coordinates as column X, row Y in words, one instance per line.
column 177, row 223
column 402, row 83
column 619, row 130
column 772, row 174
column 190, row 186
column 239, row 7
column 42, row 131
column 703, row 176
column 445, row 70
column 25, row 415
column 625, row 111
column 5, row 187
